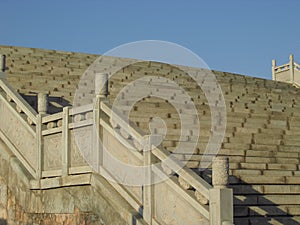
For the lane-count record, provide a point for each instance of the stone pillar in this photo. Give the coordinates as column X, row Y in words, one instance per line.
column 220, row 172
column 220, row 197
column 147, row 187
column 42, row 103
column 292, row 68
column 273, row 69
column 101, row 85
column 3, row 63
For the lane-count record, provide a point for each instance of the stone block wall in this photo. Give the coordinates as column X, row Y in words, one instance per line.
column 94, row 204
column 11, row 212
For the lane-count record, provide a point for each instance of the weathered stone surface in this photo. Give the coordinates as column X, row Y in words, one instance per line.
column 84, row 205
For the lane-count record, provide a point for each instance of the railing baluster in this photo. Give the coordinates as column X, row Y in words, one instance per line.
column 292, row 68
column 66, row 142
column 273, row 69
column 97, row 134
column 101, row 91
column 148, row 187
column 39, row 146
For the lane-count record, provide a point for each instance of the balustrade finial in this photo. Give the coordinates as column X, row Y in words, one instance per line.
column 220, row 172
column 42, row 103
column 101, row 85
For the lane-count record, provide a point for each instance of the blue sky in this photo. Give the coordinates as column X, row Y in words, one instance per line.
column 233, row 35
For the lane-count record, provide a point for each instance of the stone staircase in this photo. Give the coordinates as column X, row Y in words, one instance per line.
column 261, row 141
column 262, row 128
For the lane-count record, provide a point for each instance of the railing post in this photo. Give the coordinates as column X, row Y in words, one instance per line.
column 39, row 147
column 42, row 103
column 101, row 91
column 273, row 69
column 292, row 68
column 66, row 142
column 220, row 197
column 101, row 85
column 97, row 133
column 148, row 186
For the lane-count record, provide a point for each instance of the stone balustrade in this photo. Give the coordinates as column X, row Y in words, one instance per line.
column 289, row 72
column 56, row 152
column 183, row 178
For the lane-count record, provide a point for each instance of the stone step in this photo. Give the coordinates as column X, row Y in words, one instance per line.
column 262, row 179
column 246, row 131
column 241, row 138
column 264, row 147
column 243, row 211
column 267, row 139
column 271, row 200
column 278, row 220
column 279, row 166
column 254, row 125
column 259, row 166
column 238, row 146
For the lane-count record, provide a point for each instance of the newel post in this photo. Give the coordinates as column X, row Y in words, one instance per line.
column 42, row 110
column 148, row 180
column 292, row 68
column 101, row 91
column 39, row 146
column 43, row 103
column 97, row 134
column 220, row 197
column 65, row 142
column 273, row 69
column 101, row 85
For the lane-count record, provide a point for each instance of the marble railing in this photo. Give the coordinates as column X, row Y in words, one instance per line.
column 282, row 68
column 289, row 72
column 18, row 127
column 169, row 178
column 92, row 138
column 297, row 66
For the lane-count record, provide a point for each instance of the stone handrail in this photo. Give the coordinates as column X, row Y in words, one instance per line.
column 120, row 122
column 297, row 66
column 181, row 177
column 282, row 68
column 186, row 177
column 80, row 116
column 21, row 104
column 18, row 127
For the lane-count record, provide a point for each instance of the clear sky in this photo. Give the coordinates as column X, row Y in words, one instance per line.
column 229, row 35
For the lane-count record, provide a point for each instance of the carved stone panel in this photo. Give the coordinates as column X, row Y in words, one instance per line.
column 53, row 152
column 81, row 146
column 171, row 208
column 123, row 165
column 19, row 135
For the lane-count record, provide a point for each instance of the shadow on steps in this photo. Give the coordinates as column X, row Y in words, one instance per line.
column 254, row 207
